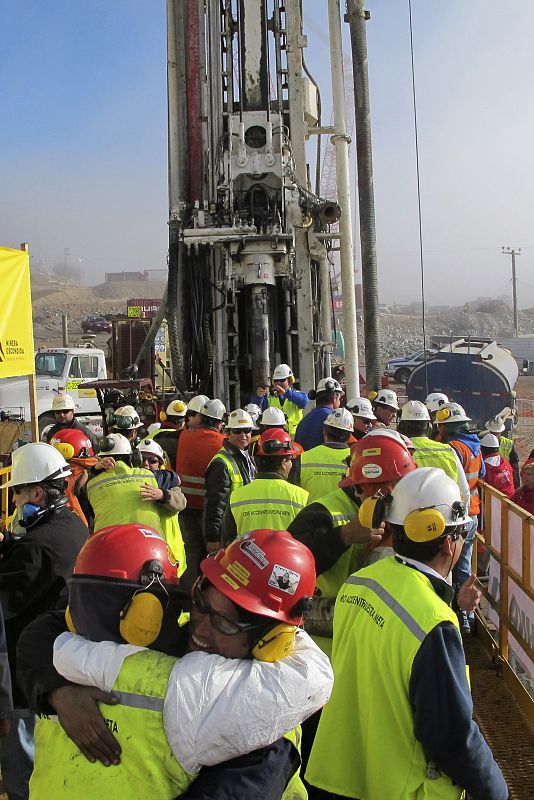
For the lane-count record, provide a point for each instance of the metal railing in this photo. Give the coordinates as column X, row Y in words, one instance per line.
column 506, row 536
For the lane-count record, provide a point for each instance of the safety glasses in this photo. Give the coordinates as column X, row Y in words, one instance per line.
column 151, row 459
column 228, row 627
column 246, row 431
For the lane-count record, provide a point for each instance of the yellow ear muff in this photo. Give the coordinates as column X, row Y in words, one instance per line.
column 372, row 396
column 424, row 525
column 162, row 416
column 442, row 414
column 291, row 379
column 141, row 619
column 276, row 644
column 66, row 449
column 372, row 511
column 68, row 620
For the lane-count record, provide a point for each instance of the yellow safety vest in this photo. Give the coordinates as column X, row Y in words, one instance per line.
column 505, row 447
column 383, row 614
column 266, row 503
column 429, row 453
column 293, row 413
column 295, row 789
column 321, row 469
column 170, row 531
column 236, row 479
column 116, row 500
column 148, row 767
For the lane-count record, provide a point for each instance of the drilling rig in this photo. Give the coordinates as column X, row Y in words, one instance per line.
column 248, row 239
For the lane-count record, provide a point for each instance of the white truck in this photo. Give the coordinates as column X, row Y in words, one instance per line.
column 58, row 369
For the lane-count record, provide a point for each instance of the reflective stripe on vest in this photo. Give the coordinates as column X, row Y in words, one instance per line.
column 197, row 448
column 321, row 469
column 293, row 413
column 435, row 454
column 390, row 601
column 266, row 503
column 236, row 478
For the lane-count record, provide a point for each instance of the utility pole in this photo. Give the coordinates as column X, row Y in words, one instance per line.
column 511, row 251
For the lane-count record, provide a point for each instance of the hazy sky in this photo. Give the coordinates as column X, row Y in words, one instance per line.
column 83, row 137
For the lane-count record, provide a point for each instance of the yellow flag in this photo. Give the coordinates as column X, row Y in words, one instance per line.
column 16, row 326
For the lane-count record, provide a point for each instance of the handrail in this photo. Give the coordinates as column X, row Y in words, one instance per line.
column 5, row 474
column 506, row 533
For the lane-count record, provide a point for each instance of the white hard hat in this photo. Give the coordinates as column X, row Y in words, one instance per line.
column 63, row 402
column 239, row 419
column 176, row 408
column 155, row 426
column 329, row 385
column 495, row 425
column 452, row 412
column 114, row 444
column 281, row 372
column 274, row 417
column 126, row 418
column 151, row 446
column 415, row 411
column 387, row 397
column 196, row 403
column 214, row 409
column 37, row 462
column 427, row 488
column 386, row 432
column 490, row 441
column 255, row 413
column 340, row 418
column 435, row 400
column 361, row 407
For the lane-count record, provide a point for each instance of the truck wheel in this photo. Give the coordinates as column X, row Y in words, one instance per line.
column 402, row 375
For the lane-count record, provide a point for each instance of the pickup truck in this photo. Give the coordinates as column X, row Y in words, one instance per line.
column 58, row 369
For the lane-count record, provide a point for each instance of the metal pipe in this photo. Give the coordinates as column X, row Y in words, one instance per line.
column 341, row 140
column 326, row 314
column 194, row 110
column 357, row 17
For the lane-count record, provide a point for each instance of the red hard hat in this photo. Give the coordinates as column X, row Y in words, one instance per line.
column 72, row 443
column 126, row 553
column 265, row 572
column 378, row 459
column 277, row 442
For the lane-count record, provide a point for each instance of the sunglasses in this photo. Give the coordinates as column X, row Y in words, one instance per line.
column 151, row 459
column 228, row 627
column 246, row 431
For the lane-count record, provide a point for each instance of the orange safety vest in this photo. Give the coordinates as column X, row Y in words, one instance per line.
column 472, row 465
column 197, row 448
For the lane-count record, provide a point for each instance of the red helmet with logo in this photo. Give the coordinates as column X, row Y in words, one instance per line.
column 378, row 459
column 265, row 572
column 277, row 442
column 72, row 443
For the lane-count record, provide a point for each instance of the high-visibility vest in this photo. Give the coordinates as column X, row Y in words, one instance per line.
column 266, row 503
column 293, row 413
column 429, row 453
column 342, row 510
column 295, row 789
column 321, row 469
column 148, row 767
column 116, row 500
column 236, row 478
column 383, row 614
column 505, row 447
column 197, row 448
column 472, row 465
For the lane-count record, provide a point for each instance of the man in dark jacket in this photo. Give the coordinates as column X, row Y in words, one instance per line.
column 37, row 559
column 63, row 409
column 229, row 468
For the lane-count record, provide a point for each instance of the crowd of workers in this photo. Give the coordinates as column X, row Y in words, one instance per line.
column 179, row 602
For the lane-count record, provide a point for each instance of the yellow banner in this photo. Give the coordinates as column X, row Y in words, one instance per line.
column 16, row 327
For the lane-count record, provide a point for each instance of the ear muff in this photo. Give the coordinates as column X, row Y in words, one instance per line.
column 443, row 414
column 276, row 644
column 66, row 449
column 68, row 620
column 141, row 619
column 424, row 525
column 162, row 416
column 373, row 510
column 291, row 379
column 372, row 396
column 137, row 458
column 106, row 444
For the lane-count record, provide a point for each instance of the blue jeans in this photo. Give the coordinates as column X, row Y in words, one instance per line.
column 16, row 756
column 462, row 569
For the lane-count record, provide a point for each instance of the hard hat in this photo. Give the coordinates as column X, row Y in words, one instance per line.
column 239, row 419
column 279, row 570
column 155, row 426
column 414, row 411
column 151, row 446
column 277, row 442
column 63, row 402
column 495, row 425
column 114, row 444
column 255, row 413
column 435, row 400
column 214, row 409
column 490, row 441
column 451, row 412
column 423, row 489
column 361, row 407
column 176, row 408
column 126, row 418
column 196, row 403
column 378, row 459
column 281, row 372
column 37, row 462
column 329, row 385
column 340, row 418
column 389, row 433
column 120, row 586
column 274, row 417
column 387, row 397
column 72, row 443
